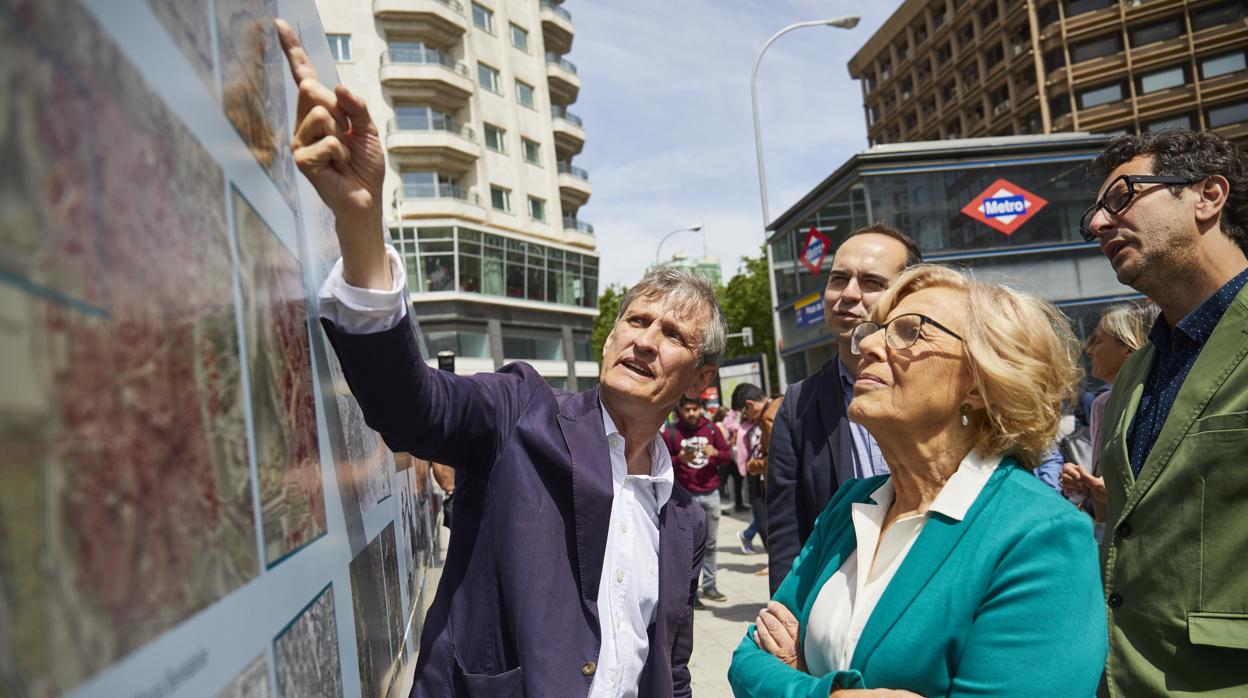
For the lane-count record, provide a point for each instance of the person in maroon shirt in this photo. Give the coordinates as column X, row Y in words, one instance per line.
column 698, row 450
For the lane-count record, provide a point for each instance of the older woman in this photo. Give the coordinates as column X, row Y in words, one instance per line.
column 960, row 573
column 1122, row 329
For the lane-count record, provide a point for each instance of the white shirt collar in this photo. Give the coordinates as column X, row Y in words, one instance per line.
column 960, row 490
column 662, row 476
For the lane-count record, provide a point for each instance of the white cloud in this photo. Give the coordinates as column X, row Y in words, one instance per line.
column 666, row 103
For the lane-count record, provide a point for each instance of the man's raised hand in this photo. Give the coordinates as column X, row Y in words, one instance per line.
column 337, row 147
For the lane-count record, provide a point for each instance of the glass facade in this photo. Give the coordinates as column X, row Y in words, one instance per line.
column 457, row 258
column 924, row 195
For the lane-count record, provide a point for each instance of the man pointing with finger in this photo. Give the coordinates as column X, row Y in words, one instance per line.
column 574, row 555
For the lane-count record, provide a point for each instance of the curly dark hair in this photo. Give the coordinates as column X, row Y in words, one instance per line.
column 1182, row 152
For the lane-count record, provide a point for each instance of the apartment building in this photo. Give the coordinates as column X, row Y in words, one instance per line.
column 482, row 194
column 952, row 69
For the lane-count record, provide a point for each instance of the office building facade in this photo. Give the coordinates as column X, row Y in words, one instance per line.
column 472, row 101
column 1006, row 207
column 952, row 69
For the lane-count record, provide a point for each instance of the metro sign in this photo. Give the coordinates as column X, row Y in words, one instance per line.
column 1004, row 206
column 814, row 249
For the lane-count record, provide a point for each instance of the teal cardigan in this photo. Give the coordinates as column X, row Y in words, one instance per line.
column 1006, row 602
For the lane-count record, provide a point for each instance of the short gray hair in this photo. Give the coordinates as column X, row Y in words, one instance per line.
column 688, row 291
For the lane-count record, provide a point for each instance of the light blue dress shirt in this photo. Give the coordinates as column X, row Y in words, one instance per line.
column 868, row 460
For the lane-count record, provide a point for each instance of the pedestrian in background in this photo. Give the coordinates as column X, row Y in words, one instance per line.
column 697, row 450
column 1121, row 330
column 1172, row 219
column 958, row 573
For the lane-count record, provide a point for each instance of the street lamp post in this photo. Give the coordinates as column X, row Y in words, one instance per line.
column 847, row 22
column 692, row 228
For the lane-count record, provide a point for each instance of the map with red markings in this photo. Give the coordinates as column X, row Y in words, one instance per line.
column 283, row 407
column 127, row 501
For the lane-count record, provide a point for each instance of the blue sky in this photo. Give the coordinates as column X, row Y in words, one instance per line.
column 665, row 96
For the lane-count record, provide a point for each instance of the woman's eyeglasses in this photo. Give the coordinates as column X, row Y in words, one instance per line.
column 1118, row 196
column 899, row 333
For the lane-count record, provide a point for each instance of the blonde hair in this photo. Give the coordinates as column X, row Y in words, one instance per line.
column 1021, row 354
column 1128, row 323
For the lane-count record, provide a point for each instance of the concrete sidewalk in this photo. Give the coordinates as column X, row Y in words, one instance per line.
column 718, row 630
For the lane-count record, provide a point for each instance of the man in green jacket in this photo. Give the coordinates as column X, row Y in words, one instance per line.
column 1172, row 218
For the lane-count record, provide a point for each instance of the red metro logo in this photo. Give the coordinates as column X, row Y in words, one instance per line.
column 1004, row 206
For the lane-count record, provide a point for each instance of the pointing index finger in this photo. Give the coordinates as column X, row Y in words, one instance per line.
column 300, row 65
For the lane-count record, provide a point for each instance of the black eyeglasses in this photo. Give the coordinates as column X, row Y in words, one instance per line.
column 899, row 333
column 1116, row 198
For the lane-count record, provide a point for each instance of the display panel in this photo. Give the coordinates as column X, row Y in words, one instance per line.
column 191, row 502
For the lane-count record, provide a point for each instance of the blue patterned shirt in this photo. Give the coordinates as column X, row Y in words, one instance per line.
column 1177, row 350
column 868, row 460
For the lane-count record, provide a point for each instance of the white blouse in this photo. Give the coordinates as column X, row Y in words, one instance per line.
column 846, row 600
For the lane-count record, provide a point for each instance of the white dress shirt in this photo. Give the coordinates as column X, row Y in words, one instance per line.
column 846, row 600
column 628, row 591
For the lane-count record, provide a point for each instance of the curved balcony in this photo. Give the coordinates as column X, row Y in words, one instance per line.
column 438, row 21
column 557, row 27
column 561, row 76
column 443, row 203
column 426, row 76
column 450, row 147
column 569, row 132
column 574, row 189
column 571, row 224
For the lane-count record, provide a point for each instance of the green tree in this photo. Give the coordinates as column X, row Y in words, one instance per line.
column 608, row 308
column 747, row 303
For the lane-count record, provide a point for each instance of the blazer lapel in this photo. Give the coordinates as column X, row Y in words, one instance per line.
column 1221, row 354
column 1115, row 453
column 580, row 419
column 675, row 567
column 939, row 537
column 831, row 398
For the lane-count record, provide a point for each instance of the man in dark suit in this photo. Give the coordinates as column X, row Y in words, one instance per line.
column 814, row 447
column 574, row 555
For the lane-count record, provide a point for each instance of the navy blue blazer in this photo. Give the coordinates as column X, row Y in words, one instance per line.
column 516, row 610
column 810, row 455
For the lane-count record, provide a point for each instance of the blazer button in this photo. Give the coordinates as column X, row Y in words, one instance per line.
column 1124, row 529
column 588, row 668
column 1115, row 600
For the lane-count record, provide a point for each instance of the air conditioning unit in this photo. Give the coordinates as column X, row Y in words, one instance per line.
column 1000, row 109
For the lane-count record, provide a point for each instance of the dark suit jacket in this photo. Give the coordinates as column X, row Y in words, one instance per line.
column 516, row 610
column 811, row 454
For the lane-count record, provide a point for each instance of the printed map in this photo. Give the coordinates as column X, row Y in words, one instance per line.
column 127, row 502
column 306, row 653
column 275, row 325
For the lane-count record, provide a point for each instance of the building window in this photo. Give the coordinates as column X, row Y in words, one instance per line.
column 524, row 94
column 1226, row 115
column 494, row 138
column 1217, row 16
column 500, row 198
column 1059, row 105
column 537, row 208
column 429, row 185
column 499, row 266
column 340, row 47
column 482, row 18
column 1162, row 80
column 948, row 93
column 422, row 119
column 1180, row 121
column 1078, row 7
column 944, row 53
column 1096, row 48
column 1054, row 59
column 1097, row 96
column 1159, row 31
column 488, row 77
column 416, row 52
column 994, row 56
column 970, row 75
column 1225, row 64
column 989, row 14
column 520, row 38
column 533, row 348
column 532, row 151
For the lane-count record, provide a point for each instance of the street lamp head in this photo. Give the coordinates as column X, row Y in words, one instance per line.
column 695, row 228
column 846, row 22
